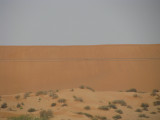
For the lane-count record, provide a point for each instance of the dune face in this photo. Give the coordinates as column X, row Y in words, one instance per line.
column 104, row 67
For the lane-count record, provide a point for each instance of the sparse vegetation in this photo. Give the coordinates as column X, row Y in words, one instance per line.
column 64, row 105
column 121, row 102
column 41, row 93
column 128, row 106
column 53, row 104
column 138, row 110
column 4, row 105
column 78, row 99
column 152, row 112
column 31, row 110
column 87, row 108
column 154, row 92
column 82, row 87
column 62, row 100
column 145, row 106
column 99, row 118
column 46, row 114
column 26, row 95
column 116, row 117
column 119, row 111
column 86, row 114
column 103, row 108
column 17, row 97
column 112, row 106
column 131, row 90
column 90, row 89
column 18, row 105
column 25, row 117
column 156, row 103
column 53, row 95
column 143, row 116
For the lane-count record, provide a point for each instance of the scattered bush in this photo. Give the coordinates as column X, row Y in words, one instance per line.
column 138, row 110
column 82, row 87
column 103, row 108
column 17, row 97
column 116, row 117
column 26, row 95
column 25, row 117
column 121, row 102
column 53, row 104
column 62, row 100
column 90, row 89
column 41, row 93
column 131, row 90
column 87, row 108
column 31, row 110
column 18, row 105
column 99, row 118
column 46, row 114
column 152, row 112
column 143, row 116
column 112, row 106
column 86, row 114
column 4, row 105
column 119, row 111
column 78, row 99
column 156, row 103
column 135, row 95
column 64, row 105
column 128, row 106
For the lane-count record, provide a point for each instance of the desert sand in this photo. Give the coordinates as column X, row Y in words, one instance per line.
column 104, row 67
column 76, row 100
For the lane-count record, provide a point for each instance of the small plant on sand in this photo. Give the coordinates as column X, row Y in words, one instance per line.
column 154, row 92
column 4, row 105
column 64, row 105
column 53, row 104
column 78, row 99
column 103, row 108
column 119, row 111
column 86, row 114
column 138, row 110
column 120, row 102
column 31, row 110
column 62, row 100
column 116, row 117
column 17, row 97
column 41, row 93
column 128, row 106
column 18, row 105
column 87, row 107
column 156, row 103
column 131, row 90
column 82, row 87
column 143, row 116
column 152, row 112
column 90, row 89
column 113, row 106
column 53, row 95
column 97, row 117
column 26, row 95
column 145, row 106
column 46, row 114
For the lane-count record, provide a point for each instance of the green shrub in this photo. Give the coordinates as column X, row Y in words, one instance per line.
column 143, row 116
column 103, row 108
column 87, row 108
column 131, row 90
column 156, row 103
column 53, row 104
column 4, row 105
column 116, row 117
column 119, row 111
column 31, row 110
column 78, row 99
column 121, row 102
column 62, row 100
column 46, row 114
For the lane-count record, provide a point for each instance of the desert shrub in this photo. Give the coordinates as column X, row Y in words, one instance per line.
column 152, row 112
column 26, row 95
column 53, row 104
column 82, row 87
column 86, row 114
column 31, row 110
column 25, row 117
column 135, row 95
column 158, row 97
column 87, row 108
column 4, row 105
column 99, row 118
column 17, row 97
column 112, row 106
column 90, row 89
column 138, row 110
column 156, row 103
column 62, row 100
column 41, row 93
column 78, row 99
column 54, row 96
column 18, row 105
column 128, row 106
column 72, row 90
column 64, row 105
column 143, row 116
column 119, row 111
column 131, row 90
column 144, row 105
column 103, row 108
column 46, row 114
column 116, row 117
column 121, row 102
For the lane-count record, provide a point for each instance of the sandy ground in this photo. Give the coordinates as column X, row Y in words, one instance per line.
column 94, row 99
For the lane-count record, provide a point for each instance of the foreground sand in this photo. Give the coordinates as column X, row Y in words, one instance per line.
column 84, row 97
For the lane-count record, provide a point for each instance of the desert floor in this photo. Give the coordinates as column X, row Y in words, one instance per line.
column 70, row 104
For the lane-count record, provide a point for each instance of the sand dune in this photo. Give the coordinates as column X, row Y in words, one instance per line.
column 105, row 67
column 75, row 108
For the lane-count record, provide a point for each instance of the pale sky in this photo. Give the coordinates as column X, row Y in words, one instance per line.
column 79, row 22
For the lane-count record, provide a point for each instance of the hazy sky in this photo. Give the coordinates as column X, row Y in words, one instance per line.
column 79, row 22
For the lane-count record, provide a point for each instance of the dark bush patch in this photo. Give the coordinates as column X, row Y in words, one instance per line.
column 41, row 93
column 26, row 95
column 78, row 99
column 103, row 108
column 145, row 106
column 17, row 97
column 119, row 111
column 46, row 114
column 143, row 116
column 53, row 104
column 156, row 103
column 82, row 87
column 112, row 106
column 99, row 118
column 138, row 110
column 121, row 102
column 31, row 110
column 90, row 89
column 131, row 90
column 116, row 117
column 152, row 112
column 62, row 100
column 4, row 105
column 87, row 108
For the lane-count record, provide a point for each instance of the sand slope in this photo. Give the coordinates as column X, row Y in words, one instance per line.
column 90, row 98
column 105, row 67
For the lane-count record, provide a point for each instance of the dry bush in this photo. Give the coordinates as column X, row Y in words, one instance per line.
column 17, row 97
column 116, row 117
column 87, row 107
column 120, row 102
column 143, row 116
column 78, row 99
column 27, row 94
column 4, row 105
column 31, row 110
column 53, row 104
column 41, row 93
column 119, row 111
column 103, row 108
column 62, row 100
column 90, row 89
column 138, row 110
column 156, row 103
column 131, row 90
column 46, row 114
